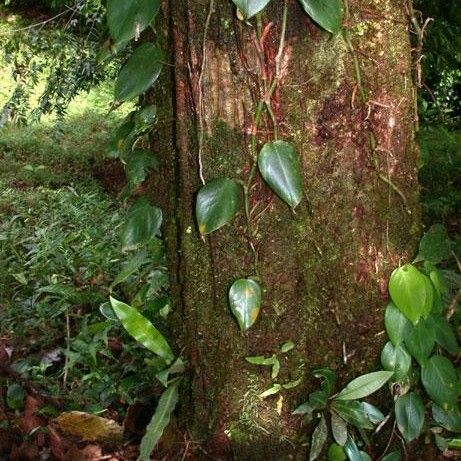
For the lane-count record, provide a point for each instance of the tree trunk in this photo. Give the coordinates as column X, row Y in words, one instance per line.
column 324, row 270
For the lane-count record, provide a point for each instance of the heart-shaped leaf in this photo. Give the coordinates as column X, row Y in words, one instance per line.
column 142, row 223
column 440, row 381
column 249, row 8
column 421, row 340
column 327, row 14
column 411, row 291
column 396, row 359
column 142, row 330
column 397, row 325
column 409, row 414
column 139, row 73
column 435, row 246
column 128, row 18
column 218, row 201
column 245, row 302
column 364, row 385
column 279, row 166
column 138, row 163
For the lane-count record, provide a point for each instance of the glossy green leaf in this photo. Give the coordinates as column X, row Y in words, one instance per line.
column 444, row 335
column 411, row 291
column 373, row 413
column 336, row 453
column 130, row 267
column 218, row 201
column 142, row 223
column 279, row 166
column 249, row 8
column 138, row 164
column 397, row 325
column 421, row 340
column 393, row 456
column 396, row 359
column 328, row 379
column 353, row 412
column 364, row 385
column 139, row 73
column 142, row 330
column 159, row 421
column 441, row 382
column 144, row 119
column 450, row 420
column 435, row 245
column 274, row 389
column 319, row 437
column 245, row 302
column 178, row 366
column 352, row 452
column 15, row 396
column 128, row 18
column 409, row 414
column 339, row 429
column 327, row 14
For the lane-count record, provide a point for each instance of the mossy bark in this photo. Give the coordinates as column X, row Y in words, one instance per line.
column 324, row 270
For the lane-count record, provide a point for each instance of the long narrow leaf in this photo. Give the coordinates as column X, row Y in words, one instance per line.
column 159, row 421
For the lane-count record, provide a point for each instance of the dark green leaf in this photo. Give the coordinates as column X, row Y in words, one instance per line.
column 365, row 456
column 119, row 142
column 437, row 278
column 352, row 451
column 336, row 453
column 15, row 396
column 107, row 311
column 159, row 421
column 317, row 401
column 440, row 381
column 339, row 429
column 397, row 325
column 144, row 119
column 409, row 414
column 326, row 14
column 353, row 412
column 245, row 302
column 218, row 201
column 435, row 246
column 450, row 420
column 279, row 166
column 248, row 8
column 130, row 267
column 421, row 340
column 444, row 334
column 128, row 18
column 142, row 223
column 328, row 378
column 142, row 330
column 138, row 164
column 139, row 73
column 319, row 437
column 393, row 456
column 396, row 359
column 411, row 291
column 364, row 385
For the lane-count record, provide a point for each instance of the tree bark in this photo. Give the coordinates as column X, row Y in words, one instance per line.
column 324, row 270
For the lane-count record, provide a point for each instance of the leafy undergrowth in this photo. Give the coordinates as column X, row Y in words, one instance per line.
column 60, row 253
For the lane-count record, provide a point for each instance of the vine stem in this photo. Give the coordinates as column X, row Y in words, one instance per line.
column 364, row 99
column 200, row 93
